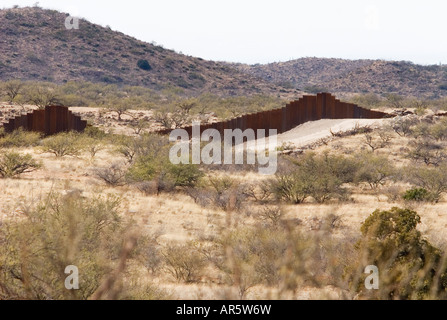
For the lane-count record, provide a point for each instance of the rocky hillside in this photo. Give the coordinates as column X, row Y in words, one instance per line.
column 35, row 45
column 354, row 76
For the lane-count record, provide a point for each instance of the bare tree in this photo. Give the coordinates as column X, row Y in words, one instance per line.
column 383, row 140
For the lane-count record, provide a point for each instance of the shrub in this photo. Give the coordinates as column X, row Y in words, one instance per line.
column 403, row 125
column 184, row 175
column 368, row 100
column 271, row 214
column 314, row 89
column 410, row 267
column 382, row 140
column 113, row 175
column 144, row 169
column 184, row 262
column 20, row 139
column 120, row 107
column 144, row 64
column 439, row 130
column 153, row 257
column 148, row 187
column 290, row 187
column 260, row 192
column 282, row 258
column 320, row 177
column 374, row 170
column 13, row 164
column 426, row 151
column 63, row 144
column 95, row 133
column 225, row 192
column 418, row 194
column 69, row 230
column 91, row 145
column 230, row 199
column 144, row 145
column 150, row 156
column 434, row 180
column 393, row 193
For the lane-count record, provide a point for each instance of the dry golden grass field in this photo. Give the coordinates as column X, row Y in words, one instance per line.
column 322, row 265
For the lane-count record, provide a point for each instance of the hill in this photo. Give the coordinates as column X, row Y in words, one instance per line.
column 35, row 45
column 345, row 77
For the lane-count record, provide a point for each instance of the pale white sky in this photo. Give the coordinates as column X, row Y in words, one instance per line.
column 260, row 31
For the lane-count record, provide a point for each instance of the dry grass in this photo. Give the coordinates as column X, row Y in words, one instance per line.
column 175, row 219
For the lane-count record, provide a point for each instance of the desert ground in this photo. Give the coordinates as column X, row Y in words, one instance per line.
column 175, row 218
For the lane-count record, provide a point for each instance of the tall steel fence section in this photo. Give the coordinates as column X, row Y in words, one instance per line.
column 51, row 120
column 308, row 108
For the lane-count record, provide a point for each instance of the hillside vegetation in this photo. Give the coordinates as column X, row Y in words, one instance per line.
column 346, row 77
column 35, row 45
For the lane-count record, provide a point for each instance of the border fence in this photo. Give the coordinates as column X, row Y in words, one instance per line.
column 307, row 108
column 51, row 120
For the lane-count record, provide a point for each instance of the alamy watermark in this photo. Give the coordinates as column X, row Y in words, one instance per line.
column 72, row 281
column 372, row 281
column 256, row 148
column 71, row 23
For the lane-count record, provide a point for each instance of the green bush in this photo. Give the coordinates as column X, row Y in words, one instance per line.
column 374, row 170
column 184, row 175
column 144, row 64
column 20, row 139
column 95, row 133
column 148, row 168
column 367, row 100
column 320, row 177
column 13, row 164
column 409, row 266
column 63, row 144
column 144, row 145
column 149, row 158
column 418, row 194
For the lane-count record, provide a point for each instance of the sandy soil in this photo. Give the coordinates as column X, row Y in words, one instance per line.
column 312, row 131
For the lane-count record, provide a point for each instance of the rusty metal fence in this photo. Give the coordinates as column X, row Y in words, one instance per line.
column 307, row 108
column 51, row 120
column 54, row 119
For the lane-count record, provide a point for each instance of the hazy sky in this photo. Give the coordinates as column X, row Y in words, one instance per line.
column 267, row 31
